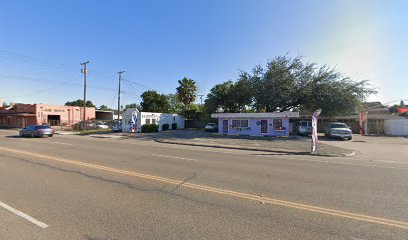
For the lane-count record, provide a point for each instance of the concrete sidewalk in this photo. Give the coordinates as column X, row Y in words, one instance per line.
column 282, row 146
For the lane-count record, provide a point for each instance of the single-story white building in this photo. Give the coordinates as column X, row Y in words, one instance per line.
column 396, row 127
column 132, row 120
column 255, row 124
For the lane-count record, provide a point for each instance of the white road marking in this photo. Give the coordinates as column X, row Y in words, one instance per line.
column 23, row 215
column 336, row 162
column 62, row 143
column 187, row 159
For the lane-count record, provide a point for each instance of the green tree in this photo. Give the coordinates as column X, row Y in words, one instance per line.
column 105, row 108
column 132, row 105
column 175, row 106
column 288, row 83
column 80, row 103
column 230, row 96
column 192, row 112
column 220, row 98
column 278, row 86
column 154, row 102
column 186, row 92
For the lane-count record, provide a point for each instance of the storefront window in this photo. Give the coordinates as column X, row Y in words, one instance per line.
column 236, row 123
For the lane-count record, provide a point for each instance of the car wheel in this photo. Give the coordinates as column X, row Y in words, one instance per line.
column 50, row 135
column 32, row 135
column 349, row 138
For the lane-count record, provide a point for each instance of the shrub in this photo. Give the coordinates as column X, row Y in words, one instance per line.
column 174, row 126
column 150, row 128
column 165, row 127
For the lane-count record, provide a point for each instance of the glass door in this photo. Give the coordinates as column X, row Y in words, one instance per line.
column 225, row 126
column 264, row 126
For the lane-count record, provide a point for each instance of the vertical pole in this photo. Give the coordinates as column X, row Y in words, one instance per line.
column 366, row 124
column 120, row 78
column 85, row 72
column 201, row 102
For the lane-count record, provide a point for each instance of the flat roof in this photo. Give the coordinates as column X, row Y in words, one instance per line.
column 256, row 115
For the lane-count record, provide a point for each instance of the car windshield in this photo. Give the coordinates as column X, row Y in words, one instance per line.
column 305, row 124
column 338, row 125
column 42, row 127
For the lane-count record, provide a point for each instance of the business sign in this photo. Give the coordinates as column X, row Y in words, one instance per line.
column 315, row 117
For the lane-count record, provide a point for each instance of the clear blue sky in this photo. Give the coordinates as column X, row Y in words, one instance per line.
column 159, row 42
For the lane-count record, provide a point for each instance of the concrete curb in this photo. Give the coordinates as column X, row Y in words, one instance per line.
column 349, row 154
column 65, row 133
column 249, row 149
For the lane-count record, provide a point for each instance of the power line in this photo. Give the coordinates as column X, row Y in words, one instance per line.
column 46, row 90
column 139, row 84
column 44, row 63
column 23, row 78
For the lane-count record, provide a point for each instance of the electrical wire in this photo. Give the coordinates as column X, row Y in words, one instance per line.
column 46, row 90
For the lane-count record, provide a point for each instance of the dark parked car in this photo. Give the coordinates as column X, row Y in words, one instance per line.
column 37, row 131
column 88, row 125
column 211, row 127
column 117, row 126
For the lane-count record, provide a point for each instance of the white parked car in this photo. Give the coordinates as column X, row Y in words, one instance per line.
column 100, row 125
column 338, row 130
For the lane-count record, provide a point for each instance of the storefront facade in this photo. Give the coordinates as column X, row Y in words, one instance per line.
column 255, row 124
column 133, row 120
column 21, row 115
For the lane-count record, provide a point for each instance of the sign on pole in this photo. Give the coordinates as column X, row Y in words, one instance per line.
column 315, row 117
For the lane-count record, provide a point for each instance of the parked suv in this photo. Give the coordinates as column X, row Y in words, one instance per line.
column 117, row 126
column 304, row 128
column 338, row 130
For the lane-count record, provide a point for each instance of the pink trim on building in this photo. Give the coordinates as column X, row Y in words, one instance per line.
column 21, row 115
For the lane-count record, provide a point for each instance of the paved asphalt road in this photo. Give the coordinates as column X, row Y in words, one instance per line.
column 76, row 187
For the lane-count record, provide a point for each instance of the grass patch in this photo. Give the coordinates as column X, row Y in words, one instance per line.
column 94, row 131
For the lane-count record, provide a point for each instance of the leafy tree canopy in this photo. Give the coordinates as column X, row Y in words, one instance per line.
column 105, row 108
column 175, row 106
column 132, row 105
column 286, row 84
column 154, row 102
column 80, row 103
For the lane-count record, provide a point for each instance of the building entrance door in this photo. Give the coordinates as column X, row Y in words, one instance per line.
column 225, row 126
column 264, row 126
column 54, row 120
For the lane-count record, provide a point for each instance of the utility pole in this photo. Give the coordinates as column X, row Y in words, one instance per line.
column 201, row 100
column 85, row 72
column 120, row 78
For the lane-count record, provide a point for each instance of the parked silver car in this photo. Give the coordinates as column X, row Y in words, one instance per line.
column 338, row 130
column 37, row 131
column 211, row 127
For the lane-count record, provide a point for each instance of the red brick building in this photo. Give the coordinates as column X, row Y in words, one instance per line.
column 21, row 115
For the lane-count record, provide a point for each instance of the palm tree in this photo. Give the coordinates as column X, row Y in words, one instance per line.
column 187, row 91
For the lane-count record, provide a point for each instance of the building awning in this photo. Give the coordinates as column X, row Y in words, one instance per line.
column 17, row 115
column 257, row 115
